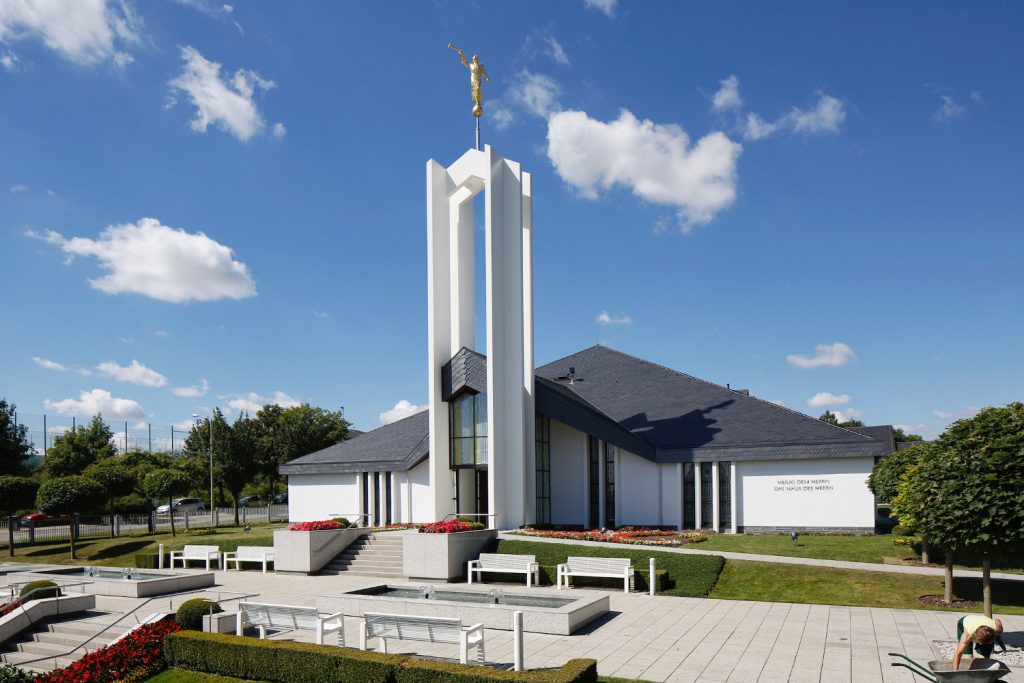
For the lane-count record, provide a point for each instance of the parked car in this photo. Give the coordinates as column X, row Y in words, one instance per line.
column 248, row 501
column 280, row 498
column 183, row 505
column 37, row 519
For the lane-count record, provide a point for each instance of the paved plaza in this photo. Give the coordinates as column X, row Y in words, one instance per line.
column 655, row 638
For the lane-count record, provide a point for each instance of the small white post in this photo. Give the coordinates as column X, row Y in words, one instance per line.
column 651, row 582
column 517, row 640
column 160, row 556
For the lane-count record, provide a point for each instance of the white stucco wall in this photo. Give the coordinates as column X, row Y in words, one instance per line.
column 568, row 468
column 805, row 493
column 637, row 490
column 422, row 498
column 318, row 496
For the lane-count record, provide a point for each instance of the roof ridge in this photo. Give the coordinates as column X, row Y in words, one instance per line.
column 704, row 381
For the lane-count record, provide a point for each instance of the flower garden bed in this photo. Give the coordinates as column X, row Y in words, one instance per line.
column 135, row 657
column 626, row 535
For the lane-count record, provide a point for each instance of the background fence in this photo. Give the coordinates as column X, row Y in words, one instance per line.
column 98, row 526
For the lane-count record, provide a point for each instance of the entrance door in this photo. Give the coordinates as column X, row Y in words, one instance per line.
column 482, row 500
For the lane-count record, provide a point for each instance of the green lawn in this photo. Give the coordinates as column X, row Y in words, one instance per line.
column 121, row 551
column 687, row 575
column 849, row 548
column 744, row 580
column 182, row 676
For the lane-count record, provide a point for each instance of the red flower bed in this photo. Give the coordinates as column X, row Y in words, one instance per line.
column 627, row 534
column 322, row 525
column 452, row 526
column 9, row 607
column 143, row 648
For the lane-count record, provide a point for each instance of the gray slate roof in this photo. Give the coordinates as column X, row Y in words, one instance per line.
column 645, row 408
column 398, row 446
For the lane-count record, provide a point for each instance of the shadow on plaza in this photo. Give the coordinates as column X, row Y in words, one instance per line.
column 1004, row 592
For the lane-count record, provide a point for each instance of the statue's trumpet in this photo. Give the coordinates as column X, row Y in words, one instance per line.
column 454, row 48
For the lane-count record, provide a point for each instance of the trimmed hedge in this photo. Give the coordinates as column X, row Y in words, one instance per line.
column 191, row 612
column 24, row 596
column 283, row 661
column 151, row 560
column 685, row 575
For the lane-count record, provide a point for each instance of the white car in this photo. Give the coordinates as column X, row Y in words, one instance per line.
column 183, row 505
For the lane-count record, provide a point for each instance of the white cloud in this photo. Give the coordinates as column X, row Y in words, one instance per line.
column 160, row 262
column 230, row 104
column 252, row 402
column 136, row 373
column 278, row 130
column 19, row 188
column 607, row 7
column 824, row 398
column 826, row 116
column 919, row 428
column 402, row 410
column 833, row 355
column 162, row 333
column 556, row 51
column 610, row 319
column 9, row 60
column 848, row 414
column 655, row 161
column 969, row 411
column 948, row 110
column 536, row 93
column 501, row 117
column 97, row 401
column 728, row 95
column 322, row 315
column 194, row 391
column 86, row 32
column 84, row 372
column 49, row 364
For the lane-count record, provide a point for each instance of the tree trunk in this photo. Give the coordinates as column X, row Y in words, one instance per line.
column 947, row 595
column 111, row 509
column 925, row 558
column 986, row 585
column 170, row 505
column 71, row 536
column 236, row 510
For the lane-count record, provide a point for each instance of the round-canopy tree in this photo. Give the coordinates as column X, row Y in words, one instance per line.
column 969, row 499
column 165, row 484
column 115, row 479
column 17, row 493
column 67, row 495
column 885, row 477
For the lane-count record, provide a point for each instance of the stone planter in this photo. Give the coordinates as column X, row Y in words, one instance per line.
column 34, row 610
column 223, row 622
column 443, row 557
column 307, row 552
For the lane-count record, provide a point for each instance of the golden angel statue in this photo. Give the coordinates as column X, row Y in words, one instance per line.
column 476, row 72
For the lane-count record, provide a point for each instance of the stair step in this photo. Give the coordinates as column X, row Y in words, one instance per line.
column 39, row 649
column 46, row 664
column 356, row 572
column 366, row 567
column 73, row 640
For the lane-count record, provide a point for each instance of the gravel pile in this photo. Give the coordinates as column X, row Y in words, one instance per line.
column 1014, row 656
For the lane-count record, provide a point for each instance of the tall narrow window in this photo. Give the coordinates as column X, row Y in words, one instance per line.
column 707, row 503
column 725, row 494
column 387, row 498
column 467, row 423
column 543, row 458
column 366, row 499
column 689, row 502
column 609, row 485
column 594, row 471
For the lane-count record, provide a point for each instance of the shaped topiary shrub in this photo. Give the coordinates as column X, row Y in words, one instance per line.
column 191, row 612
column 26, row 594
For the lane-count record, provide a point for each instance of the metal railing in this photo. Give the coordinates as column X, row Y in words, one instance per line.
column 357, row 516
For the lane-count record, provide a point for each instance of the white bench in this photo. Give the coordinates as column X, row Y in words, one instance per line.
column 289, row 617
column 259, row 554
column 608, row 567
column 424, row 629
column 505, row 564
column 201, row 553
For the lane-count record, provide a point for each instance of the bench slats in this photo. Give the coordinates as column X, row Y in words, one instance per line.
column 498, row 562
column 598, row 564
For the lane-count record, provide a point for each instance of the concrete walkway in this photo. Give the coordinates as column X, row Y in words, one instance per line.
column 780, row 559
column 665, row 638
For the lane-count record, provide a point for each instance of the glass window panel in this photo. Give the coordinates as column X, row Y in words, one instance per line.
column 481, row 414
column 481, row 450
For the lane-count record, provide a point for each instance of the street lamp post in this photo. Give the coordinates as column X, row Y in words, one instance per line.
column 195, row 416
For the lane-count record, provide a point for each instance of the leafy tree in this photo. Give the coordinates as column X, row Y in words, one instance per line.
column 67, row 495
column 289, row 433
column 17, row 493
column 165, row 484
column 75, row 450
column 115, row 478
column 831, row 418
column 238, row 462
column 196, row 452
column 969, row 499
column 887, row 473
column 15, row 448
column 900, row 435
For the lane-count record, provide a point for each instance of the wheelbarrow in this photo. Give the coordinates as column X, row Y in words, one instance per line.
column 941, row 670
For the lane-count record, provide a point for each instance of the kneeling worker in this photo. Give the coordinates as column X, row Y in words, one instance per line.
column 975, row 632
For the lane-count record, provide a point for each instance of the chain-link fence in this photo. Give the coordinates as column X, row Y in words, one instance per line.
column 128, row 435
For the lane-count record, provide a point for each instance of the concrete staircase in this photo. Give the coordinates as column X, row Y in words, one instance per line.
column 54, row 639
column 372, row 555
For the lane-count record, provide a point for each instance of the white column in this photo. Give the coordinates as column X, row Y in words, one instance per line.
column 618, row 488
column 732, row 498
column 716, row 524
column 698, row 522
column 396, row 497
column 407, row 517
column 529, row 411
column 585, row 521
column 462, row 259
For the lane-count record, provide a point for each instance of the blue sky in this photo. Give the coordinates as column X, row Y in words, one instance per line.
column 213, row 205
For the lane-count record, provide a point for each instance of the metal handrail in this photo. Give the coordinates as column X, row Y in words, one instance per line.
column 357, row 515
column 170, row 603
